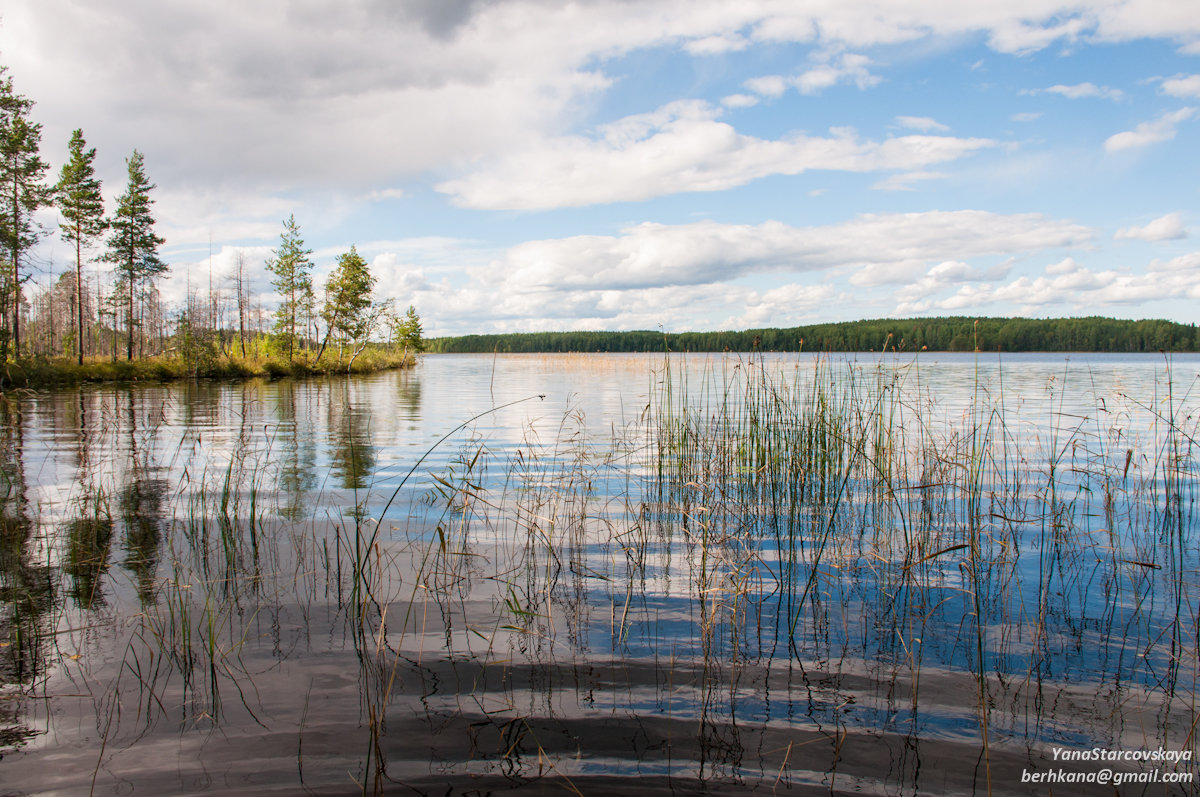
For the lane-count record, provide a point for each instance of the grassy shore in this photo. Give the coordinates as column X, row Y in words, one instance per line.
column 42, row 371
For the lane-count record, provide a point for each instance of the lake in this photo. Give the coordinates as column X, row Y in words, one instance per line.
column 606, row 574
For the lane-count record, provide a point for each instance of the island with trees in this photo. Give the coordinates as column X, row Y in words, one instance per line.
column 88, row 325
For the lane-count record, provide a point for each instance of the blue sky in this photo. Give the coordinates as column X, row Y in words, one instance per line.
column 532, row 165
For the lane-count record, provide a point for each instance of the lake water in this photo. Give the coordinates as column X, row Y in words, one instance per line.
column 604, row 574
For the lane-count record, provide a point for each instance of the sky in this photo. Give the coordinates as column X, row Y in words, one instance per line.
column 530, row 165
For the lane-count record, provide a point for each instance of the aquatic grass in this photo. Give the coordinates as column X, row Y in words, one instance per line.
column 799, row 543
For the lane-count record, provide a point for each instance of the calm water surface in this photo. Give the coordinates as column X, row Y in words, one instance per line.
column 288, row 586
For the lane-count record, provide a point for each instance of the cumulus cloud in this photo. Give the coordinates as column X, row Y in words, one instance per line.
column 716, row 44
column 1022, row 36
column 1071, row 285
column 739, row 101
column 680, row 147
column 767, row 85
column 220, row 270
column 916, row 295
column 1064, row 266
column 889, row 244
column 1182, row 86
column 1184, row 263
column 1080, row 90
column 783, row 305
column 708, row 275
column 846, row 68
column 284, row 94
column 255, row 102
column 923, row 124
column 830, row 70
column 1165, row 228
column 906, row 181
column 1147, row 133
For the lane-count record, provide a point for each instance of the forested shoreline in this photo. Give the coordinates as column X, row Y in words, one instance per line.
column 952, row 333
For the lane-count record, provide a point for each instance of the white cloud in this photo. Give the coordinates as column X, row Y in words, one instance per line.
column 783, row 305
column 916, row 295
column 1065, row 266
column 1023, row 36
column 1184, row 263
column 1027, row 116
column 767, row 85
column 716, row 44
column 739, row 101
column 256, row 108
column 847, row 68
column 1165, row 228
column 279, row 95
column 385, row 194
column 1182, row 86
column 680, row 147
column 1069, row 285
column 830, row 70
column 897, row 272
column 958, row 271
column 905, row 181
column 891, row 245
column 923, row 124
column 1147, row 133
column 194, row 215
column 1079, row 90
column 219, row 270
column 710, row 275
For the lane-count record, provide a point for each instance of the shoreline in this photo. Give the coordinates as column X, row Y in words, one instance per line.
column 58, row 372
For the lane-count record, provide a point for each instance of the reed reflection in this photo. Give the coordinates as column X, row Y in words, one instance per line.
column 28, row 593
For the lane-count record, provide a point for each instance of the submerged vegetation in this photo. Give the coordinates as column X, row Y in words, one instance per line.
column 801, row 574
column 1094, row 334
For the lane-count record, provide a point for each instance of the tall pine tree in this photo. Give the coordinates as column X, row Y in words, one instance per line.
column 22, row 192
column 408, row 331
column 348, row 298
column 82, row 208
column 133, row 245
column 293, row 279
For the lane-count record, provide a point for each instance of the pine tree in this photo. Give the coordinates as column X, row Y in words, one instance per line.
column 82, row 207
column 133, row 245
column 408, row 330
column 293, row 280
column 348, row 298
column 22, row 192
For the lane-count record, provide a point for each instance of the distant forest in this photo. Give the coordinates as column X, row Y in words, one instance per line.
column 955, row 333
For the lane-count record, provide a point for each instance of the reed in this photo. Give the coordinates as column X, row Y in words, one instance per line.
column 764, row 530
column 819, row 513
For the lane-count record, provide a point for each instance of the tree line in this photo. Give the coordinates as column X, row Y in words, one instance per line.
column 87, row 314
column 953, row 333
